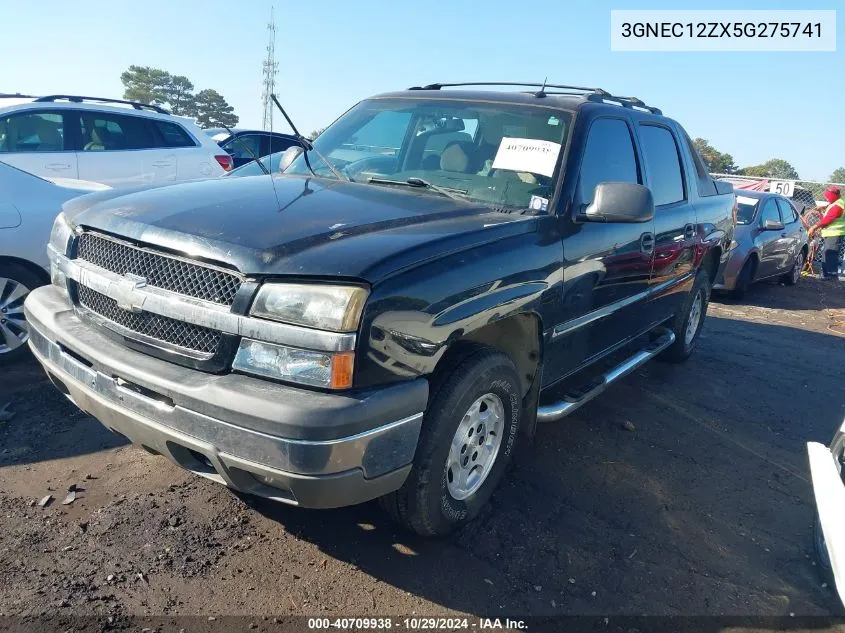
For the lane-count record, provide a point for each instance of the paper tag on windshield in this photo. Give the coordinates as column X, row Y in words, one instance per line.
column 746, row 200
column 527, row 154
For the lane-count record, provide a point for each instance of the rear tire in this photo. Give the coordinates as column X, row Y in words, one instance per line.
column 794, row 275
column 744, row 279
column 688, row 322
column 16, row 282
column 448, row 485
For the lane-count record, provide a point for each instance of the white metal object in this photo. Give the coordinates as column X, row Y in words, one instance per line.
column 829, row 492
column 783, row 187
column 475, row 446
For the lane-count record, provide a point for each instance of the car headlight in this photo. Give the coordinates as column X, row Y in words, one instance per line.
column 307, row 367
column 324, row 307
column 61, row 233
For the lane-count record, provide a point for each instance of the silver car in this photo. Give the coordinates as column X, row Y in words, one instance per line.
column 28, row 206
column 769, row 241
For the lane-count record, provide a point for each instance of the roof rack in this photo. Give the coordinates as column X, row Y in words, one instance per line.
column 79, row 99
column 593, row 94
column 14, row 95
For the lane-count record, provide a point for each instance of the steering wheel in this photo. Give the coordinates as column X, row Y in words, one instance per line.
column 357, row 166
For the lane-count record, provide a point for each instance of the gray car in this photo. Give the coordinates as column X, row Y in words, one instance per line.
column 769, row 241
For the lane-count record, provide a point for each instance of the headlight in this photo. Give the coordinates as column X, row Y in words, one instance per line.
column 325, row 307
column 61, row 234
column 319, row 369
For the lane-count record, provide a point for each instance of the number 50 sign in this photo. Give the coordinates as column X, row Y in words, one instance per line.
column 783, row 187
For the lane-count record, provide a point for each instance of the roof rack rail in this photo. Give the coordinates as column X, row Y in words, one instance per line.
column 593, row 94
column 15, row 95
column 79, row 99
column 438, row 86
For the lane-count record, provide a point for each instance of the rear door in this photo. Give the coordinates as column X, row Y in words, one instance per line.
column 39, row 142
column 794, row 233
column 675, row 232
column 117, row 149
column 769, row 243
column 606, row 266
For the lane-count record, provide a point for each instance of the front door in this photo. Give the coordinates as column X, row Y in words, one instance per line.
column 770, row 243
column 35, row 141
column 606, row 266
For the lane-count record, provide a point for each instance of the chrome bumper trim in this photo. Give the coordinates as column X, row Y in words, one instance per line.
column 196, row 311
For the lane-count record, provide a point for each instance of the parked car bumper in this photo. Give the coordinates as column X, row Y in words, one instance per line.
column 729, row 273
column 293, row 445
column 829, row 490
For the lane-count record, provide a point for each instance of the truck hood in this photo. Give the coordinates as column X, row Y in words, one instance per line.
column 293, row 225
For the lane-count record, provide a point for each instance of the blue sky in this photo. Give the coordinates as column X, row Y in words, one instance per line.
column 333, row 53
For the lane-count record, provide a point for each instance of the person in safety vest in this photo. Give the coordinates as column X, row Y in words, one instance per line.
column 832, row 228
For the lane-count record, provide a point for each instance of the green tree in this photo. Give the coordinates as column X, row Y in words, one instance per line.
column 774, row 168
column 316, row 133
column 213, row 111
column 838, row 176
column 145, row 84
column 716, row 161
column 179, row 95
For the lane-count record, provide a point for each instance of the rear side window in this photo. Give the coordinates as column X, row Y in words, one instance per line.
column 173, row 135
column 103, row 131
column 664, row 164
column 608, row 157
column 788, row 215
column 32, row 132
column 706, row 186
column 244, row 146
column 273, row 144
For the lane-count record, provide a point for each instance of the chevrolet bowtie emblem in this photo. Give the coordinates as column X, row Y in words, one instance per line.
column 125, row 293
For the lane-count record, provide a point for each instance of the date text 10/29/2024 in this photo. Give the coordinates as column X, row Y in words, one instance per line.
column 416, row 624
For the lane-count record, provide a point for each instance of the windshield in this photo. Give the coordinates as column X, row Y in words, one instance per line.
column 499, row 154
column 745, row 209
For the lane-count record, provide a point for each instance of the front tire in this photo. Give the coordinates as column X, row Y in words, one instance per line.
column 794, row 275
column 16, row 283
column 688, row 322
column 468, row 437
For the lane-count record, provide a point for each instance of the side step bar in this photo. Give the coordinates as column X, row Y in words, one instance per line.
column 573, row 401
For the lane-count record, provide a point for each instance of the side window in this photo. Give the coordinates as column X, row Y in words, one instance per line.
column 706, row 186
column 173, row 135
column 275, row 144
column 244, row 146
column 770, row 212
column 608, row 157
column 788, row 214
column 32, row 132
column 664, row 164
column 103, row 131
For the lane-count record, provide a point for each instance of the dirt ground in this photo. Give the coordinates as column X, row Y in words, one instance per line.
column 683, row 490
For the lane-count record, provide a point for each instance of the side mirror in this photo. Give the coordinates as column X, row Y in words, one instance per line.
column 772, row 225
column 290, row 155
column 619, row 202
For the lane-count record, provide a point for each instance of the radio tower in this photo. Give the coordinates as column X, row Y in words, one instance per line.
column 270, row 70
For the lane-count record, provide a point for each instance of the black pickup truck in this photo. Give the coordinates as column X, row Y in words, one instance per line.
column 392, row 316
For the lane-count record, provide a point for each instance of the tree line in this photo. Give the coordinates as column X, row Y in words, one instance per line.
column 176, row 92
column 722, row 163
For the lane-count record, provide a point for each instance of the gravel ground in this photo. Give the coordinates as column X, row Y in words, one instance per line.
column 683, row 490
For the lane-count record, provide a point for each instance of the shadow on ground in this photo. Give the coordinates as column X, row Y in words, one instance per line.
column 704, row 508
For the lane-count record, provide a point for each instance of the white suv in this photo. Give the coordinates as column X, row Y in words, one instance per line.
column 120, row 145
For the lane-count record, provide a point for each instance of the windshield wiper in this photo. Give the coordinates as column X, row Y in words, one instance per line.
column 308, row 146
column 454, row 194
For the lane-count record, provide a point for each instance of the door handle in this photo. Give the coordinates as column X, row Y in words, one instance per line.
column 647, row 243
column 162, row 163
column 689, row 231
column 57, row 166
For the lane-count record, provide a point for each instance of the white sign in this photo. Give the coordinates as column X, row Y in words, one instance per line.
column 783, row 187
column 527, row 154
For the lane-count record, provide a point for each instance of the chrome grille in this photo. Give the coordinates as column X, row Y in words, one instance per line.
column 184, row 335
column 162, row 271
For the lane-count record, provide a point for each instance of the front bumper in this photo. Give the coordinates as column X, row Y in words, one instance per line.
column 726, row 279
column 302, row 447
column 829, row 491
